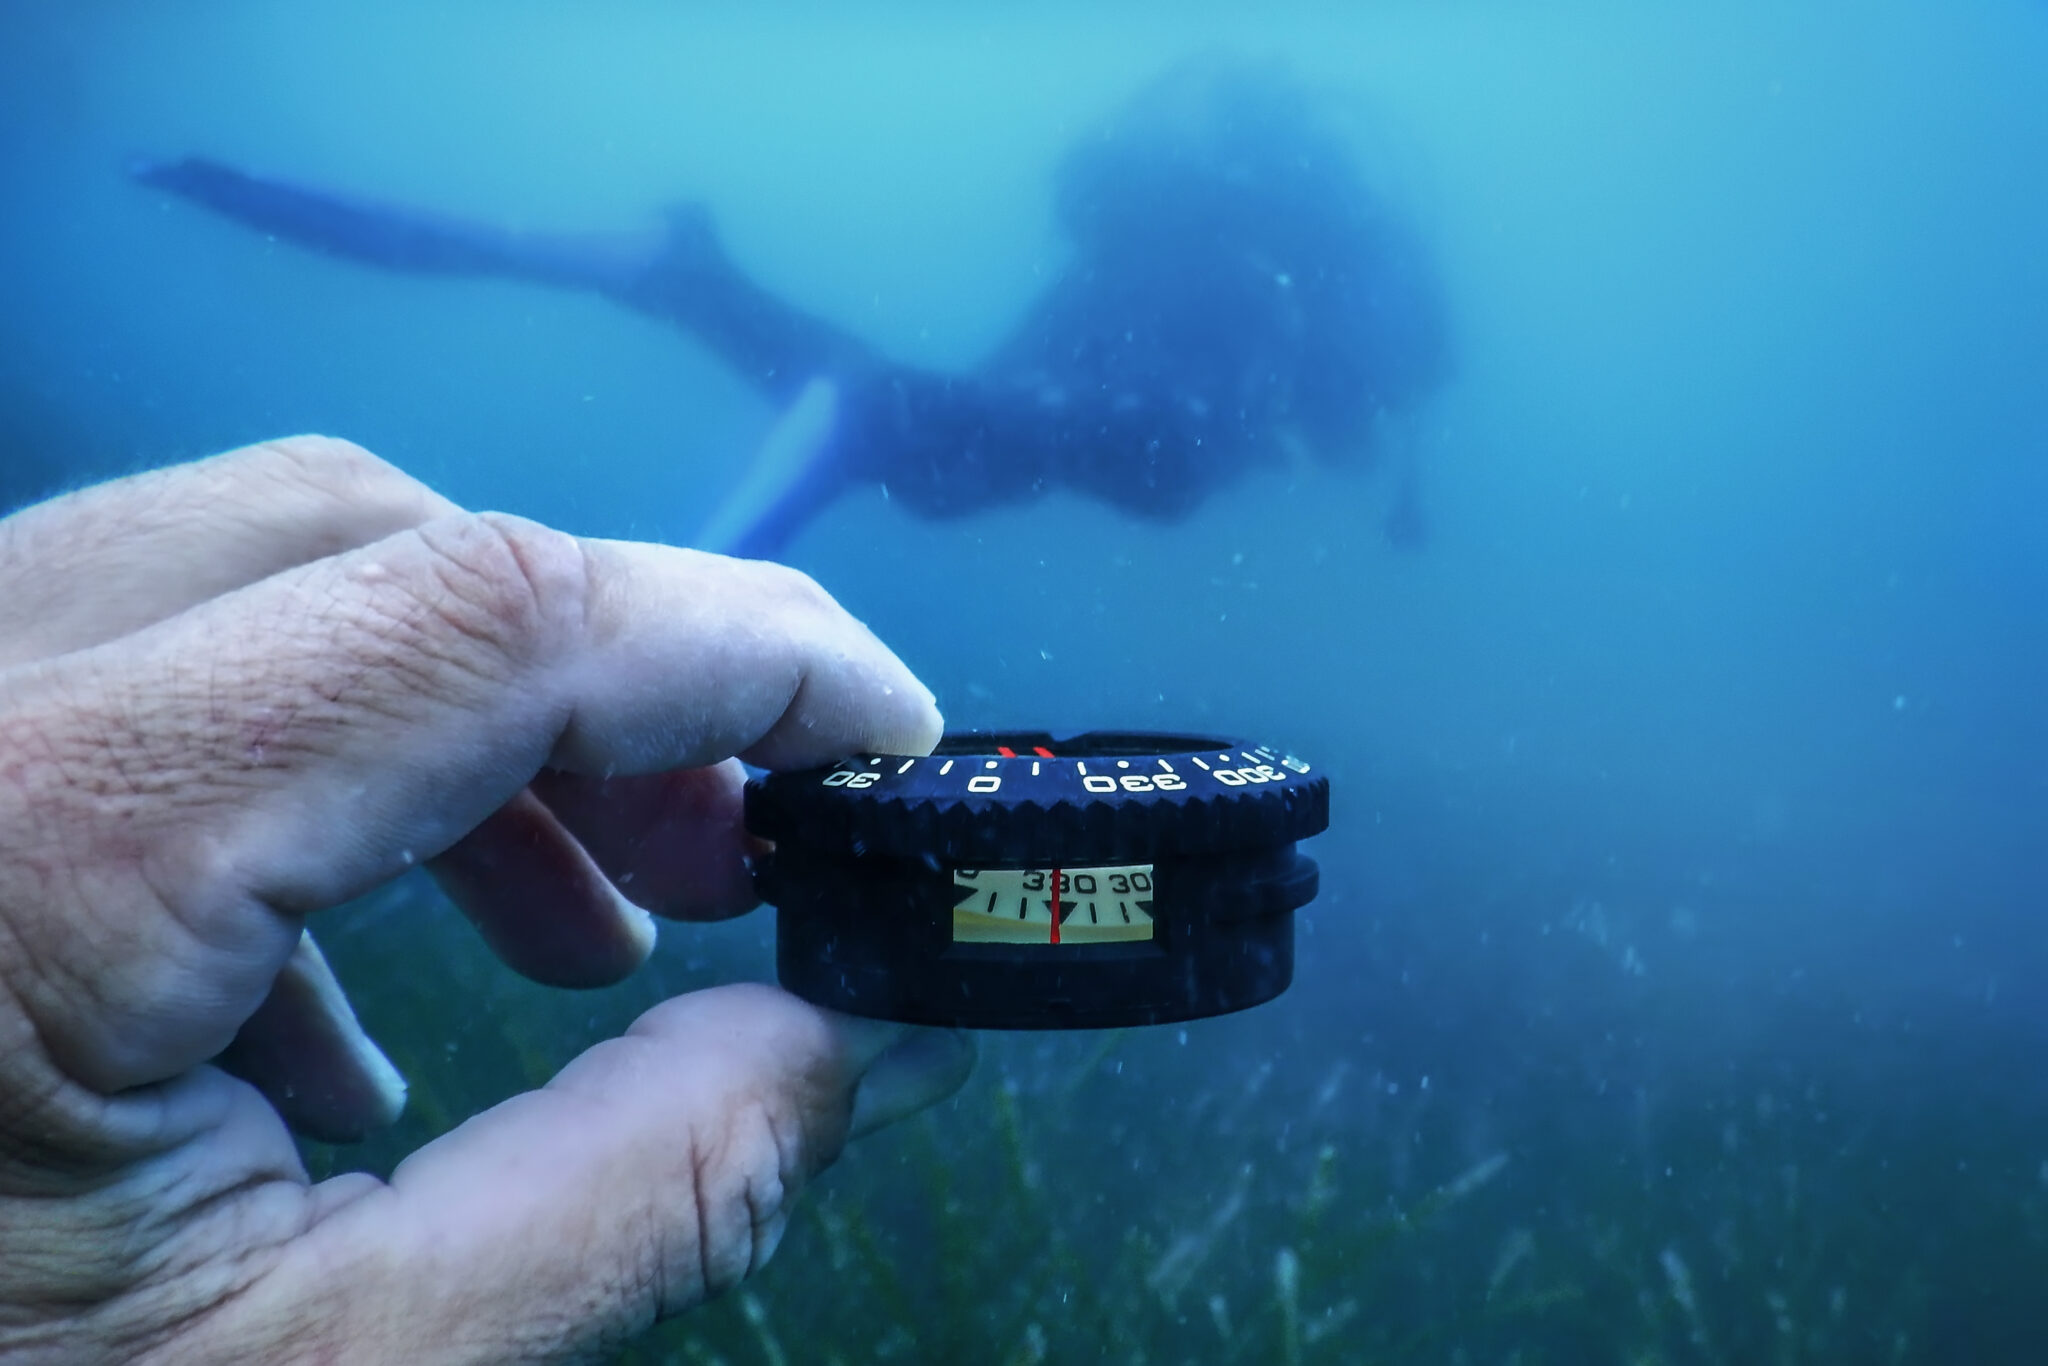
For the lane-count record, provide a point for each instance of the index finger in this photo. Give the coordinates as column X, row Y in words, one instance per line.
column 292, row 744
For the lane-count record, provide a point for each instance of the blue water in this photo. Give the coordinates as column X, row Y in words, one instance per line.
column 1690, row 785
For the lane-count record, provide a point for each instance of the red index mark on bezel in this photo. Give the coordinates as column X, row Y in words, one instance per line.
column 1041, row 751
column 1006, row 751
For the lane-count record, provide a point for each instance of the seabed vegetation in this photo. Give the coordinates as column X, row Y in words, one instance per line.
column 1097, row 1198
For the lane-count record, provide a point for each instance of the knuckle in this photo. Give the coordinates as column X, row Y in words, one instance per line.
column 323, row 460
column 793, row 589
column 746, row 1172
column 513, row 585
column 362, row 493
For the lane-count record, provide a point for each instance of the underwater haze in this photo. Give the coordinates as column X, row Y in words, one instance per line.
column 1678, row 987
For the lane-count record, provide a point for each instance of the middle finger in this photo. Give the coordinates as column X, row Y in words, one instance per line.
column 97, row 564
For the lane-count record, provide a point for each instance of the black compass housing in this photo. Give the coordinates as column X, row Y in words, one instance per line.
column 1012, row 880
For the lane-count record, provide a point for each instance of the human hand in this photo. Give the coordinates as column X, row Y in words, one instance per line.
column 238, row 692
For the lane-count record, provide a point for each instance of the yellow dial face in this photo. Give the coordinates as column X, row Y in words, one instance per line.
column 1015, row 905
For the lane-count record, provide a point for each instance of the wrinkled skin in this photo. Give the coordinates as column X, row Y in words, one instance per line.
column 236, row 693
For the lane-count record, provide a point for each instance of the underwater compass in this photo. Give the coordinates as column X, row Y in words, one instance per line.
column 1017, row 881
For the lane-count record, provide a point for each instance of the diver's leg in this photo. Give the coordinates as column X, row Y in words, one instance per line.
column 679, row 272
column 774, row 345
column 398, row 237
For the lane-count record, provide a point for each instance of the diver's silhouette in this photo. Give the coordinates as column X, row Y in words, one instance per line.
column 1235, row 290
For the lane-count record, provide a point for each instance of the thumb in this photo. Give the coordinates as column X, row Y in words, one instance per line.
column 655, row 1171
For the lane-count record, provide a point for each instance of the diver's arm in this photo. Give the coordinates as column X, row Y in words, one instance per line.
column 399, row 237
column 1407, row 521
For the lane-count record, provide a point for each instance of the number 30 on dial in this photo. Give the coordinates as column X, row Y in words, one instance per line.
column 1015, row 905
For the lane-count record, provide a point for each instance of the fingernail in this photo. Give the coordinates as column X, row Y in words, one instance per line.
column 921, row 1068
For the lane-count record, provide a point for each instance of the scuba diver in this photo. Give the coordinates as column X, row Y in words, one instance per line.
column 1235, row 294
